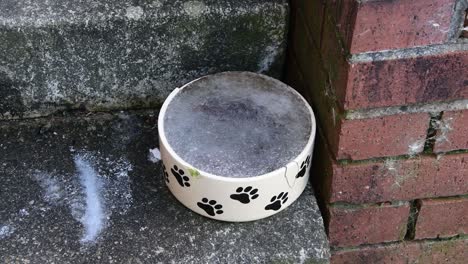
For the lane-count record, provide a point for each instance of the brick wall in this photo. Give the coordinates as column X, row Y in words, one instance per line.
column 388, row 80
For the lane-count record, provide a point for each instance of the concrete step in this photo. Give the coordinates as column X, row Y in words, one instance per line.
column 121, row 212
column 116, row 54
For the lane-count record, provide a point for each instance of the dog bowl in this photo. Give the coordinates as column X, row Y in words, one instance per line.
column 236, row 146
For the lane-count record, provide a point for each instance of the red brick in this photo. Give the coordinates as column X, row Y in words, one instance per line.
column 452, row 251
column 384, row 25
column 453, row 131
column 383, row 136
column 442, row 218
column 406, row 81
column 356, row 226
column 406, row 179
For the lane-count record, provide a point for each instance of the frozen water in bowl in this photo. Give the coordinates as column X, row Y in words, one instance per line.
column 237, row 125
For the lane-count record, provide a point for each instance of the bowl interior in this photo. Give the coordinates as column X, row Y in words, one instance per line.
column 237, row 124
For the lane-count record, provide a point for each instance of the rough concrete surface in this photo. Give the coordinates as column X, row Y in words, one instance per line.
column 115, row 54
column 79, row 188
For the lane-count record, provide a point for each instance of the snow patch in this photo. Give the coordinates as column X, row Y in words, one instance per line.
column 302, row 256
column 93, row 219
column 154, row 155
column 194, row 8
column 23, row 212
column 269, row 57
column 53, row 192
column 98, row 188
column 134, row 12
column 6, row 231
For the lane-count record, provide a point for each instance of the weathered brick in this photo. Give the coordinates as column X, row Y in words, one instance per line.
column 406, row 81
column 306, row 74
column 452, row 251
column 294, row 77
column 452, row 133
column 384, row 25
column 442, row 218
column 313, row 12
column 334, row 61
column 321, row 172
column 306, row 54
column 343, row 13
column 404, row 179
column 383, row 136
column 356, row 226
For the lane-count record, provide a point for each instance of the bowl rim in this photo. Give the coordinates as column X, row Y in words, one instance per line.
column 167, row 146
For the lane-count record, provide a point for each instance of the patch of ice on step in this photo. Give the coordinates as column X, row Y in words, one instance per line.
column 154, row 155
column 53, row 192
column 93, row 219
column 97, row 189
column 6, row 231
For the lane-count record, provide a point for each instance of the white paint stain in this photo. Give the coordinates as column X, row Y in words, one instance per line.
column 134, row 12
column 93, row 219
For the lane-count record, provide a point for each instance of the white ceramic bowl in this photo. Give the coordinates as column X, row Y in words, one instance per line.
column 235, row 199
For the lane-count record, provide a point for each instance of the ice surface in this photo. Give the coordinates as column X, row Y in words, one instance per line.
column 237, row 125
column 154, row 155
column 93, row 219
column 6, row 231
column 98, row 188
column 53, row 192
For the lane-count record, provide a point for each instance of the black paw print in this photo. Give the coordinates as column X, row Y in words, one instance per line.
column 180, row 176
column 304, row 166
column 245, row 195
column 210, row 207
column 165, row 174
column 277, row 202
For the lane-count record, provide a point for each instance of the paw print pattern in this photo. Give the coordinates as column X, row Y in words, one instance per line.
column 165, row 174
column 245, row 195
column 210, row 207
column 180, row 176
column 304, row 166
column 277, row 201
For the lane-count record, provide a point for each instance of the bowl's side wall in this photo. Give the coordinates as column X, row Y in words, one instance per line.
column 239, row 202
column 233, row 199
